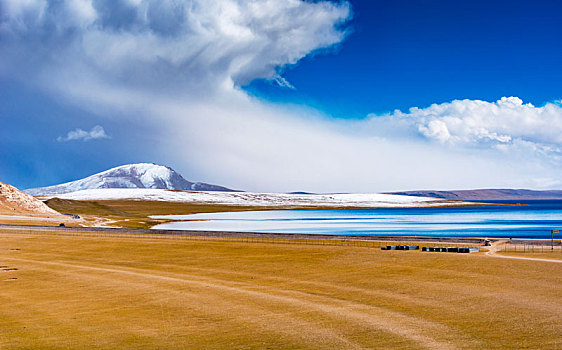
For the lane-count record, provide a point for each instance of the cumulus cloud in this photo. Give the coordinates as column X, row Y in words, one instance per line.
column 503, row 121
column 176, row 68
column 97, row 132
column 507, row 125
column 171, row 44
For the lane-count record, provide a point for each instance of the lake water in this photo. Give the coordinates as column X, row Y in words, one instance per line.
column 533, row 220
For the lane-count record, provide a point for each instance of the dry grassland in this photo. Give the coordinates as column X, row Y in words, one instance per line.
column 148, row 293
column 556, row 255
column 33, row 222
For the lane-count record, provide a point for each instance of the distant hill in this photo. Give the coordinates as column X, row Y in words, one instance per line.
column 141, row 175
column 486, row 194
column 15, row 202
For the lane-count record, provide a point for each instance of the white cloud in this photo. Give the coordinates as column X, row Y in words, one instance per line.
column 282, row 82
column 435, row 129
column 265, row 147
column 176, row 67
column 97, row 132
column 507, row 124
column 503, row 121
column 170, row 44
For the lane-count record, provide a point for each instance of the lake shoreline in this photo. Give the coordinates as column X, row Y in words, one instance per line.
column 108, row 232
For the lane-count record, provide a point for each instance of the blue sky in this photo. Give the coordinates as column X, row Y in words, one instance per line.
column 191, row 84
column 402, row 54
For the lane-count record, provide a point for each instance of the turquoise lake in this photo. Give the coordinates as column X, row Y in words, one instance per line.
column 534, row 219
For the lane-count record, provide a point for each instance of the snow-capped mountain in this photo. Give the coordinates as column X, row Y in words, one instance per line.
column 142, row 175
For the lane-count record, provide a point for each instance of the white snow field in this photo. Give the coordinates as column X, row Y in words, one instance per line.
column 258, row 199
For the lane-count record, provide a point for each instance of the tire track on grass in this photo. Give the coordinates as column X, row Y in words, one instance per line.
column 413, row 329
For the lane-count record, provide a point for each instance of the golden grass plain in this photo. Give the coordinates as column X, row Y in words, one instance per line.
column 145, row 293
column 547, row 254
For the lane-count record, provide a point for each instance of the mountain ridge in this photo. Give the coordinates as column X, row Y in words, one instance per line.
column 486, row 194
column 138, row 175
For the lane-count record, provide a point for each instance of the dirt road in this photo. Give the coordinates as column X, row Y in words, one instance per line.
column 493, row 249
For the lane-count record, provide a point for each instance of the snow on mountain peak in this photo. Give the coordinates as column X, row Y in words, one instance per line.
column 140, row 175
column 148, row 175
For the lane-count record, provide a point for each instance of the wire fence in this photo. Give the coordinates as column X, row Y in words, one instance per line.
column 532, row 248
column 515, row 247
column 352, row 242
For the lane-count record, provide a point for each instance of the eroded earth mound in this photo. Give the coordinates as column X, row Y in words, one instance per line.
column 15, row 202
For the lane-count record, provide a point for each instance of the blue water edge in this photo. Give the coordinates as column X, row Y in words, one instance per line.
column 532, row 219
